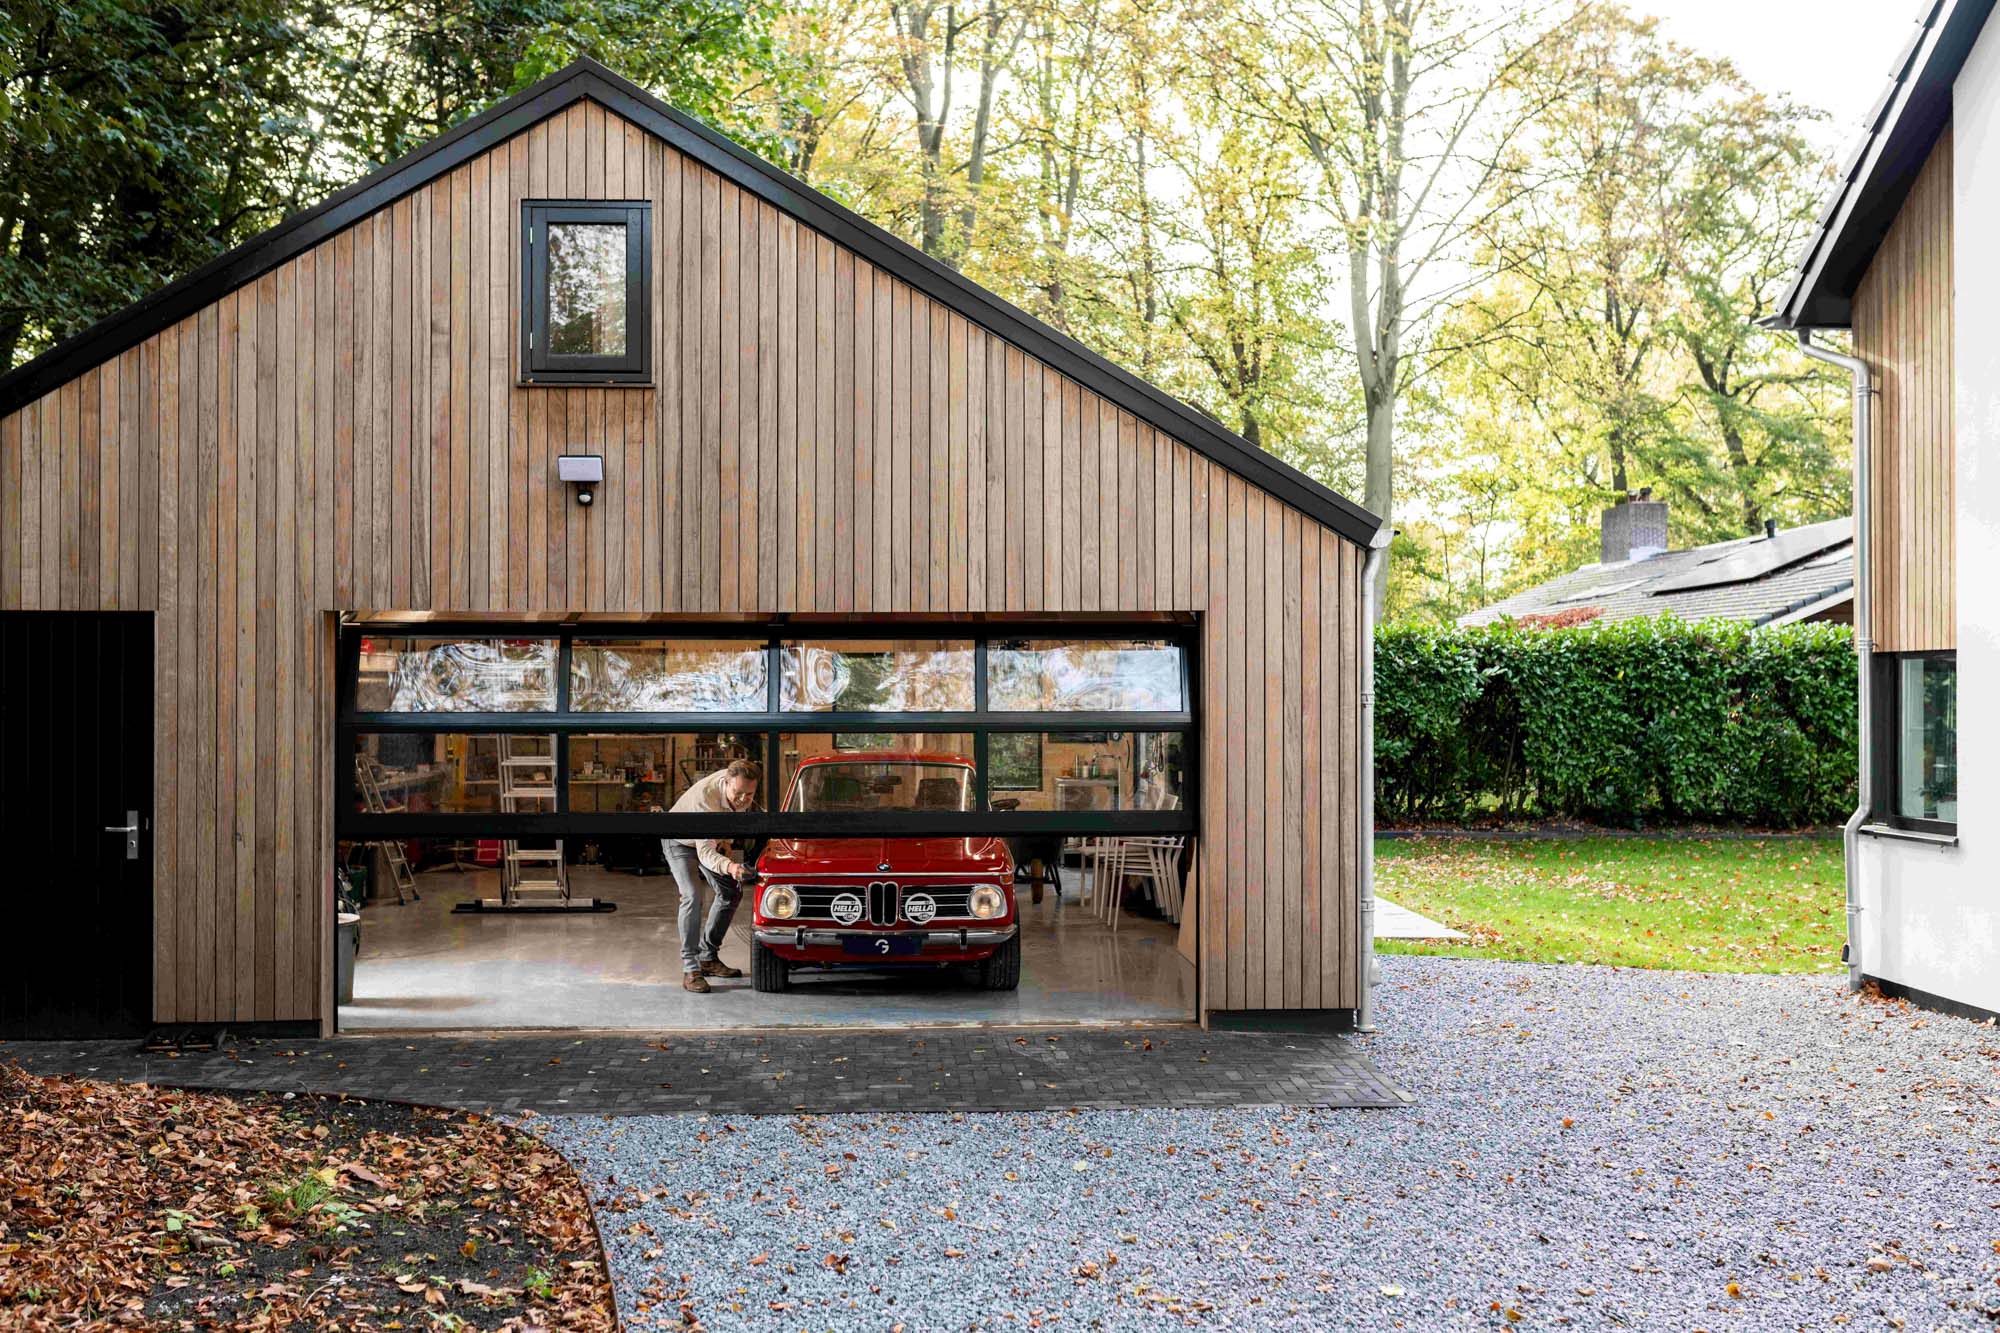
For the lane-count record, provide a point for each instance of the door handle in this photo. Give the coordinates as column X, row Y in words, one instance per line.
column 131, row 831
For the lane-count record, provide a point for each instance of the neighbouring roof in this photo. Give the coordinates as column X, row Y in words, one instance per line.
column 588, row 79
column 1760, row 580
column 1876, row 172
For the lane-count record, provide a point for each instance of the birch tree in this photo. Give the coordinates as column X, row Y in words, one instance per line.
column 932, row 53
column 1403, row 108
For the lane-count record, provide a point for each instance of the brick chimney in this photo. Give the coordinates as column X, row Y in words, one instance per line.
column 1634, row 529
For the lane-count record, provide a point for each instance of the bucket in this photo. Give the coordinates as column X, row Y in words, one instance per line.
column 346, row 943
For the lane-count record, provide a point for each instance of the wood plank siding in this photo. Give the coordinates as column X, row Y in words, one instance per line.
column 1903, row 329
column 348, row 432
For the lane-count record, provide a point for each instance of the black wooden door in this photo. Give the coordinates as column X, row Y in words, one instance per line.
column 76, row 769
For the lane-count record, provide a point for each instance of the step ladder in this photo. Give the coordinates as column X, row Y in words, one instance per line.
column 531, row 878
column 368, row 773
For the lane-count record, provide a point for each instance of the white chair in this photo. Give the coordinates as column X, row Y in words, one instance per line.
column 1157, row 862
column 1154, row 861
column 1103, row 862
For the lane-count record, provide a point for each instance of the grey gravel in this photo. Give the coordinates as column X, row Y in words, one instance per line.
column 1591, row 1147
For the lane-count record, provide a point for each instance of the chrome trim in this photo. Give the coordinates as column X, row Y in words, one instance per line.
column 808, row 877
column 800, row 937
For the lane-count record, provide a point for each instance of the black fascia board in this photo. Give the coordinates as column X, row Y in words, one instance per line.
column 588, row 78
column 1865, row 204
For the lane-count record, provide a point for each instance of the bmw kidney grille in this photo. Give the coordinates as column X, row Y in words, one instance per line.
column 884, row 902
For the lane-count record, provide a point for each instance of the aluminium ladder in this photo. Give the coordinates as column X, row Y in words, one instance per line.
column 531, row 878
column 368, row 773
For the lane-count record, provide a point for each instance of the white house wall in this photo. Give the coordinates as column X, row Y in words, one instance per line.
column 1931, row 918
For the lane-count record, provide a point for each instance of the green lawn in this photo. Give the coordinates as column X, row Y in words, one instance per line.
column 1707, row 905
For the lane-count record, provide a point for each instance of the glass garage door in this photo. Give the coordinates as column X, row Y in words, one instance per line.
column 482, row 732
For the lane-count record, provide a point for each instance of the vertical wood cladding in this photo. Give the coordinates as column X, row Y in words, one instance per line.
column 347, row 432
column 1903, row 329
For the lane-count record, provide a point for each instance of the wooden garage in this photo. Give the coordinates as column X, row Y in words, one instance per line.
column 789, row 424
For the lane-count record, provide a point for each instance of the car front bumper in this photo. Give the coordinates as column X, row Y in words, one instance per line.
column 955, row 939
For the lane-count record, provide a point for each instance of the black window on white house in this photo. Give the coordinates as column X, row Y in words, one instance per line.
column 586, row 316
column 1916, row 725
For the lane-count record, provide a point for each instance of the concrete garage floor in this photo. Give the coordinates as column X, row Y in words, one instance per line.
column 422, row 967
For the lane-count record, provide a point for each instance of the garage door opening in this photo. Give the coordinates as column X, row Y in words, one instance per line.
column 964, row 829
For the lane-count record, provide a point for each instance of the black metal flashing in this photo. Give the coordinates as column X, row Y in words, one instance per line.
column 1931, row 1000
column 1875, row 176
column 589, row 79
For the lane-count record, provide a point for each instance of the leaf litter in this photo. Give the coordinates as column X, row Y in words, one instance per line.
column 137, row 1206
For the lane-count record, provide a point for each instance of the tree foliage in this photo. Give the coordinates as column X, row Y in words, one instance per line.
column 1613, row 344
column 1485, row 264
column 138, row 141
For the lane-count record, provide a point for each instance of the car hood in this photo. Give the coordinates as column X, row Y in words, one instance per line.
column 790, row 857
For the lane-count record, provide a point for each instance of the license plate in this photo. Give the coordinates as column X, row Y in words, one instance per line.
column 882, row 946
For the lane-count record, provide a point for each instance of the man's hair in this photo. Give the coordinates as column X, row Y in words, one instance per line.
column 745, row 768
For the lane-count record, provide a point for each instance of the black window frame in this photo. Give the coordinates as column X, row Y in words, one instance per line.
column 353, row 824
column 1886, row 734
column 538, row 364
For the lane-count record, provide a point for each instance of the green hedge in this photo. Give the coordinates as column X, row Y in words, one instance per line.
column 1660, row 721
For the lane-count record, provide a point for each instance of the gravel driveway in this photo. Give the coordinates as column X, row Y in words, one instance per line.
column 1590, row 1146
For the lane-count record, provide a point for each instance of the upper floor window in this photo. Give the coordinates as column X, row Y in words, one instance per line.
column 586, row 316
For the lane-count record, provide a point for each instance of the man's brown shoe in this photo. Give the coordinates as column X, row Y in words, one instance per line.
column 715, row 967
column 695, row 982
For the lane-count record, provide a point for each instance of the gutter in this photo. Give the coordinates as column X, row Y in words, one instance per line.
column 1864, row 644
column 1378, row 547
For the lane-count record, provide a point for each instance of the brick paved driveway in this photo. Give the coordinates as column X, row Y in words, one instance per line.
column 986, row 1069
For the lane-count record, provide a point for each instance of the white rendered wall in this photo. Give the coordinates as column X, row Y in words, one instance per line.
column 1931, row 918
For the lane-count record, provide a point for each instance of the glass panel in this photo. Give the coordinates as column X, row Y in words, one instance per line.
column 637, row 774
column 412, row 675
column 914, row 676
column 1114, row 676
column 851, row 771
column 454, row 773
column 667, row 676
column 586, row 288
column 1927, row 746
column 1086, row 770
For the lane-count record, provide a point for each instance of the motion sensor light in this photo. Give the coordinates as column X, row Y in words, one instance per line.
column 583, row 471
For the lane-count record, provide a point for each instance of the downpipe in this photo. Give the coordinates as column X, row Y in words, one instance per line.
column 1378, row 546
column 1864, row 644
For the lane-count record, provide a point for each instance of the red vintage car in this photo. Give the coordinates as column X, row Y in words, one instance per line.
column 884, row 902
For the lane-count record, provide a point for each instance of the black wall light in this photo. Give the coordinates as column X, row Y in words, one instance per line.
column 583, row 471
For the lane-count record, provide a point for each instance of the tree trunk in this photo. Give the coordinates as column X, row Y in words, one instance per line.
column 1379, row 493
column 1739, row 464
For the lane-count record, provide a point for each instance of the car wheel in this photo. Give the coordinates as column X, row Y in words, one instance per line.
column 1001, row 970
column 768, row 972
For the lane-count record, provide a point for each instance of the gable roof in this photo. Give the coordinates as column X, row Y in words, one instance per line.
column 1759, row 580
column 589, row 79
column 1876, row 173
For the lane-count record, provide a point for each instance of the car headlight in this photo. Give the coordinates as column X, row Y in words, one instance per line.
column 988, row 902
column 780, row 902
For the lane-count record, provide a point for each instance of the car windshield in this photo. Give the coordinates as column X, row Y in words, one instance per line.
column 882, row 785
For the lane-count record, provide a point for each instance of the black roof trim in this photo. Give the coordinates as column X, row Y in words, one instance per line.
column 1812, row 599
column 589, row 79
column 1876, row 175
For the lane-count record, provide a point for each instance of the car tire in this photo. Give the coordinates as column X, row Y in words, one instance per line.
column 1001, row 969
column 768, row 972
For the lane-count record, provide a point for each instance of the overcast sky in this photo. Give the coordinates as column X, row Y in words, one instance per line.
column 1832, row 54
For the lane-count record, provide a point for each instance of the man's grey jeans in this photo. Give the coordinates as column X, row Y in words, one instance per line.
column 700, row 940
